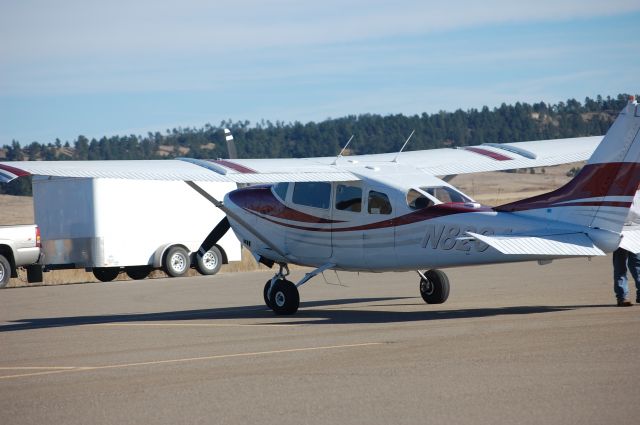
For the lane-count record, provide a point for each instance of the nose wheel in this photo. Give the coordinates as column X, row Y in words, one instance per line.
column 434, row 286
column 280, row 294
column 282, row 297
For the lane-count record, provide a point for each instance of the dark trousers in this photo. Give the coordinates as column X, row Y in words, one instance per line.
column 621, row 259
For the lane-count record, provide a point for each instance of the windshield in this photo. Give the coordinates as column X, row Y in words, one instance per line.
column 445, row 194
column 425, row 197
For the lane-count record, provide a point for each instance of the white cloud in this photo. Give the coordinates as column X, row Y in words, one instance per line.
column 35, row 29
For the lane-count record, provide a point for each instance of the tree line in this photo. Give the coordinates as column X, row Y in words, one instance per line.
column 373, row 134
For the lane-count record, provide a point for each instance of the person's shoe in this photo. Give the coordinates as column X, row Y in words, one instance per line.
column 624, row 303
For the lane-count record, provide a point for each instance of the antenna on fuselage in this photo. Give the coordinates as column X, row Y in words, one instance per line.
column 402, row 148
column 335, row 161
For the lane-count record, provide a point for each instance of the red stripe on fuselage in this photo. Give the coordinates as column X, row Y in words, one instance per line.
column 260, row 200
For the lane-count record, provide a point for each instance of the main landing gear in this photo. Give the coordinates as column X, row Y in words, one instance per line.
column 434, row 286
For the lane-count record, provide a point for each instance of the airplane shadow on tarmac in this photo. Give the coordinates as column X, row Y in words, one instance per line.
column 309, row 314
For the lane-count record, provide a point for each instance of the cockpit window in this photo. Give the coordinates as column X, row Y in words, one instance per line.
column 378, row 203
column 348, row 198
column 281, row 190
column 445, row 194
column 418, row 200
column 312, row 194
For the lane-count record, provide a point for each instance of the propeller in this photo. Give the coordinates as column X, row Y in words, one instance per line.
column 216, row 234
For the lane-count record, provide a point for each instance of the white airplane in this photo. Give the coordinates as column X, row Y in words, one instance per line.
column 389, row 212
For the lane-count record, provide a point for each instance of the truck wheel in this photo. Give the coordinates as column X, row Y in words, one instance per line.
column 210, row 262
column 5, row 271
column 106, row 274
column 176, row 261
column 137, row 272
column 34, row 273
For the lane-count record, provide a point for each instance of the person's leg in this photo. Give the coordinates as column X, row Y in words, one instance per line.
column 634, row 268
column 620, row 286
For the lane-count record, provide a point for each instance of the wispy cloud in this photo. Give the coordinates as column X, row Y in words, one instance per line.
column 60, row 29
column 83, row 66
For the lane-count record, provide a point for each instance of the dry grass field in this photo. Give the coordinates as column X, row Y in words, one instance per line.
column 492, row 188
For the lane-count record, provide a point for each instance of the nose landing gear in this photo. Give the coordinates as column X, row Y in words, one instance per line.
column 434, row 286
column 281, row 295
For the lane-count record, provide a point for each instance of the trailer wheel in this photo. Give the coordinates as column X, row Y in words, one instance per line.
column 5, row 271
column 137, row 272
column 210, row 262
column 106, row 274
column 176, row 261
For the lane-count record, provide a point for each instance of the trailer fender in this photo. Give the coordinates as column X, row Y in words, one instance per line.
column 158, row 257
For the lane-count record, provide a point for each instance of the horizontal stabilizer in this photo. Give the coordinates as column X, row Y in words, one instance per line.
column 564, row 244
column 631, row 239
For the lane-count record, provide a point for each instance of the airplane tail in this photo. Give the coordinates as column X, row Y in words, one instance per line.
column 602, row 192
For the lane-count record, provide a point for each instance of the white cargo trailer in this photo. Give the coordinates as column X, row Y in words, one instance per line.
column 135, row 226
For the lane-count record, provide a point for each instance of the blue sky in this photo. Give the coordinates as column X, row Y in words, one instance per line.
column 71, row 67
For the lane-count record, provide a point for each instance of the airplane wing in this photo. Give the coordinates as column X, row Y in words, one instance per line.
column 446, row 161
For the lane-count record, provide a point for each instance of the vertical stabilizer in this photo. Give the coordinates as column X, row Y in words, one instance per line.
column 601, row 194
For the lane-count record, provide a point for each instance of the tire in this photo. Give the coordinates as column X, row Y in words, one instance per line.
column 434, row 290
column 106, row 274
column 5, row 271
column 265, row 293
column 137, row 272
column 210, row 262
column 284, row 298
column 176, row 261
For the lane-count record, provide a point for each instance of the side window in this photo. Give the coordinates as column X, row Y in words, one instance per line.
column 348, row 198
column 312, row 194
column 281, row 190
column 378, row 203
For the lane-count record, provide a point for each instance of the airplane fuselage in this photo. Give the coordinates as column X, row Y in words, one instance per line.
column 372, row 234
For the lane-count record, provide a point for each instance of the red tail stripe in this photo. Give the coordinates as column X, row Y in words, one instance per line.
column 593, row 181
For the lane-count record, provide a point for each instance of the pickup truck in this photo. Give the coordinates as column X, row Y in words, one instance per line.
column 20, row 247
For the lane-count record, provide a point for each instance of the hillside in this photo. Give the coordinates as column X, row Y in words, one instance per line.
column 372, row 134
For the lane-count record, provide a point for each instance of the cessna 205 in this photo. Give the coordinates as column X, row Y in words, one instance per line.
column 389, row 212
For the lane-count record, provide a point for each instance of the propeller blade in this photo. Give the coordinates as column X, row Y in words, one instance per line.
column 215, row 235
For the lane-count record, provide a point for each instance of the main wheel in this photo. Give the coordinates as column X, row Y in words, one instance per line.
column 137, row 272
column 105, row 274
column 435, row 289
column 5, row 271
column 284, row 298
column 210, row 262
column 176, row 261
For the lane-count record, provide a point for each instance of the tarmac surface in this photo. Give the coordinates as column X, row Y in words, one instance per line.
column 518, row 343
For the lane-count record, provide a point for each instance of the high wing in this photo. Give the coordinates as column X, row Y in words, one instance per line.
column 446, row 161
